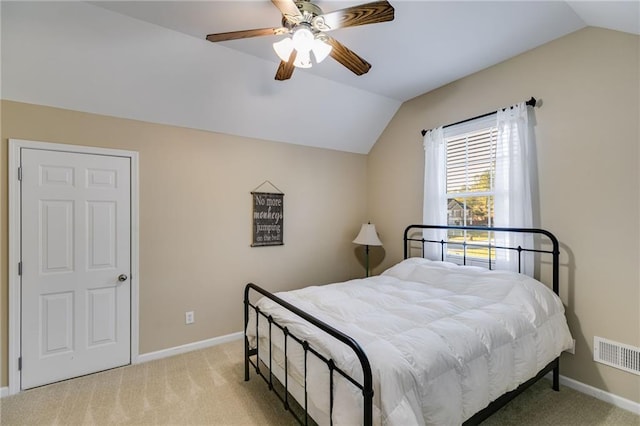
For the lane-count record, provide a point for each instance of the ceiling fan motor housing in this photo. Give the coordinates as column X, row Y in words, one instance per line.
column 309, row 13
column 307, row 6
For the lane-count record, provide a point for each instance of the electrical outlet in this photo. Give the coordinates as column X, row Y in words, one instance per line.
column 189, row 317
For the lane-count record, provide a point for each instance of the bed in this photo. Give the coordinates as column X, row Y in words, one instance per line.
column 426, row 342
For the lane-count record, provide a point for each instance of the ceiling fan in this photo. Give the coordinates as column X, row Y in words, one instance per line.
column 307, row 25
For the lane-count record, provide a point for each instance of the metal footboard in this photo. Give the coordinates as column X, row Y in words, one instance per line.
column 367, row 382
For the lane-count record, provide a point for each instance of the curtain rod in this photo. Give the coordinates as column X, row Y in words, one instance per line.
column 530, row 102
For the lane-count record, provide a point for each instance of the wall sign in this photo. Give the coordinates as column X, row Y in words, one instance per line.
column 268, row 219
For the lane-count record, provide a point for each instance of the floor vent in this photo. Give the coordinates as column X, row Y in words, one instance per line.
column 618, row 355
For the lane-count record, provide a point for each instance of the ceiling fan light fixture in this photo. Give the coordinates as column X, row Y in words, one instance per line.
column 283, row 48
column 303, row 41
column 321, row 50
column 302, row 38
column 303, row 59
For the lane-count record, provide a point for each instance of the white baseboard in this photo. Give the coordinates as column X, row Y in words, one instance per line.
column 164, row 353
column 4, row 392
column 615, row 400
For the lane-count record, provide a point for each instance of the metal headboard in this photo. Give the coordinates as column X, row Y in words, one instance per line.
column 411, row 231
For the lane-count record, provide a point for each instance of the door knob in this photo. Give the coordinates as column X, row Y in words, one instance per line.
column 122, row 277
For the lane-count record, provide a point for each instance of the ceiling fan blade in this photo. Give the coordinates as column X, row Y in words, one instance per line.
column 235, row 35
column 347, row 57
column 285, row 69
column 369, row 13
column 287, row 7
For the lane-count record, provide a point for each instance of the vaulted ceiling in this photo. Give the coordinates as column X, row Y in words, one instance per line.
column 149, row 60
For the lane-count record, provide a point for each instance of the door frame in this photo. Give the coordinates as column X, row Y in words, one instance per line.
column 15, row 248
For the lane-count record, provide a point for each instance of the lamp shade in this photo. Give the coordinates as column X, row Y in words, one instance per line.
column 283, row 48
column 368, row 236
column 321, row 50
column 302, row 38
column 303, row 59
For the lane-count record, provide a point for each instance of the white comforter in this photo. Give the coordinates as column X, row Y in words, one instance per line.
column 443, row 340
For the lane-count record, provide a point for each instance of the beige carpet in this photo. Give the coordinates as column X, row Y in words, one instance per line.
column 206, row 387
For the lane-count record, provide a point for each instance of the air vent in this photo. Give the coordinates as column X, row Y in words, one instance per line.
column 618, row 355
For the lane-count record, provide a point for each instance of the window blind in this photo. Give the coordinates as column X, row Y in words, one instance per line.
column 470, row 161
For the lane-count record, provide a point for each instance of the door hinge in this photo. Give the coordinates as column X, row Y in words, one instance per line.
column 19, row 173
column 19, row 268
column 20, row 364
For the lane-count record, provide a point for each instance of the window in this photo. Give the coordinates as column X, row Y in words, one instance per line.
column 470, row 172
column 481, row 172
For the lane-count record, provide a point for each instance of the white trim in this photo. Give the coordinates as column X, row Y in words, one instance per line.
column 14, row 258
column 176, row 350
column 4, row 392
column 615, row 400
column 135, row 256
column 15, row 145
column 608, row 397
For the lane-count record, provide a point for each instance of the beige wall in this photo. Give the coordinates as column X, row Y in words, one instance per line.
column 588, row 135
column 195, row 217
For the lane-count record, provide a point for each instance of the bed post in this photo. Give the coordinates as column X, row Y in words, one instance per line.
column 406, row 243
column 556, row 290
column 246, row 340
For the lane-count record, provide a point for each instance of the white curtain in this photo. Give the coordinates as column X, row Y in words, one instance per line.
column 514, row 183
column 435, row 196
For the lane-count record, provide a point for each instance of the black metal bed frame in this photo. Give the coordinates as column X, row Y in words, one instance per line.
column 366, row 386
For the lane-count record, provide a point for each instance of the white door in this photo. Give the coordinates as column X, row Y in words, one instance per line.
column 76, row 245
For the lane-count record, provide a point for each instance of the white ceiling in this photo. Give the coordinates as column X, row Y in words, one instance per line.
column 148, row 60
